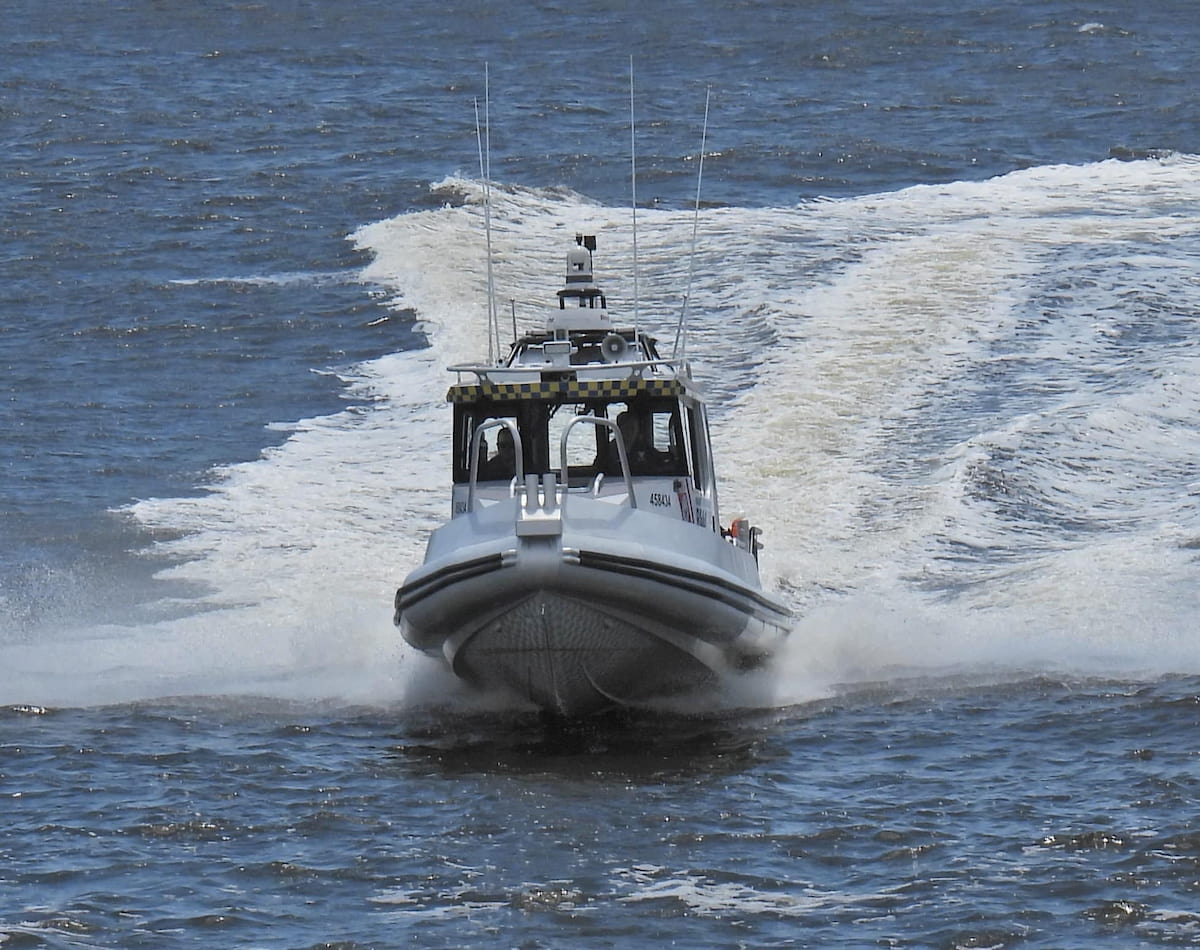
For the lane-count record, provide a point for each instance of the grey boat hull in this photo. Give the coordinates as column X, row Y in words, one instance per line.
column 582, row 610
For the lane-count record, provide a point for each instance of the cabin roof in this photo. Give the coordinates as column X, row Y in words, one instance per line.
column 566, row 390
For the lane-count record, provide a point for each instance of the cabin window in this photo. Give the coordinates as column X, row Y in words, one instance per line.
column 653, row 438
column 585, row 442
column 495, row 451
column 652, row 428
column 496, row 448
column 698, row 435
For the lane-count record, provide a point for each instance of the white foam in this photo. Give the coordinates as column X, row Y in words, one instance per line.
column 857, row 506
column 837, row 338
column 707, row 895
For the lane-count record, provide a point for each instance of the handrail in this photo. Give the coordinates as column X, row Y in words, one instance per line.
column 620, row 443
column 518, row 454
column 635, row 368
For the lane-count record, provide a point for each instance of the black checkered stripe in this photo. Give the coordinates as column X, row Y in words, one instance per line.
column 580, row 389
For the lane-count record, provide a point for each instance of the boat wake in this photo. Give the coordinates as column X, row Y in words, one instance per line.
column 964, row 412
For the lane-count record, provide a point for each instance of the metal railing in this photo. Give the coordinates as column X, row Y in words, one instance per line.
column 518, row 456
column 618, row 440
column 518, row 482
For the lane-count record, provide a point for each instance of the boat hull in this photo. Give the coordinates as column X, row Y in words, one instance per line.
column 576, row 617
column 573, row 657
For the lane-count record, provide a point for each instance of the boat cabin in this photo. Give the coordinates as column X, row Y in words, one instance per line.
column 590, row 406
column 577, row 430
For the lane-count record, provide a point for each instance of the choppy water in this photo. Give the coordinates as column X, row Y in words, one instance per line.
column 933, row 813
column 944, row 301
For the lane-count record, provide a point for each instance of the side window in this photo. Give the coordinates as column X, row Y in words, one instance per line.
column 666, row 433
column 698, row 434
column 464, row 427
column 667, row 439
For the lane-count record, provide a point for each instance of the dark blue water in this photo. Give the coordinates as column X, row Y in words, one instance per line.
column 946, row 815
column 945, row 301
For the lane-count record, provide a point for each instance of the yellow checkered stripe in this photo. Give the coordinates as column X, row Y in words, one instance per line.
column 580, row 389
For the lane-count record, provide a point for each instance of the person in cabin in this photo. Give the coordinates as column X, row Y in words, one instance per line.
column 643, row 460
column 504, row 463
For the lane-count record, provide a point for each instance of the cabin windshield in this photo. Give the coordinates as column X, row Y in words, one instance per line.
column 650, row 426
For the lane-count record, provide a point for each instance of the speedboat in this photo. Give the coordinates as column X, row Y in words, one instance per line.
column 585, row 564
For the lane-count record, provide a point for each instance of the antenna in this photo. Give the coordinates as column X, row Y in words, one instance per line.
column 633, row 194
column 485, row 172
column 682, row 329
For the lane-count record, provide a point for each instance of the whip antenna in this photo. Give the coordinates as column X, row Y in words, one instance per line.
column 485, row 172
column 633, row 194
column 682, row 330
